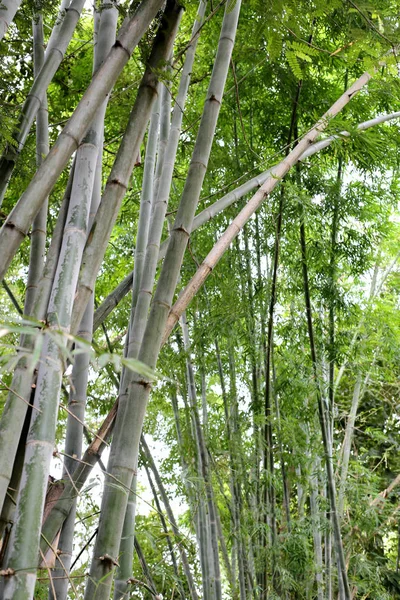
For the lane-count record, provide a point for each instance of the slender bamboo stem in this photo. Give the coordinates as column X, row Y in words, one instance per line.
column 166, row 531
column 211, row 537
column 127, row 541
column 342, row 573
column 171, row 518
column 38, row 235
column 123, row 465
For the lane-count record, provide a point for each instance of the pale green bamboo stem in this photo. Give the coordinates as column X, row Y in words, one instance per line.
column 161, row 201
column 118, row 180
column 24, row 543
column 7, row 13
column 165, row 117
column 43, row 77
column 109, row 535
column 18, row 222
column 124, row 570
column 38, row 235
column 104, row 37
column 358, row 392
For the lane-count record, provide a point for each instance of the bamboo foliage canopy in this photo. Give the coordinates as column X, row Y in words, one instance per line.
column 199, row 251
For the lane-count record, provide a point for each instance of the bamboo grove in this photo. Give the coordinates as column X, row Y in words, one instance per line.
column 200, row 300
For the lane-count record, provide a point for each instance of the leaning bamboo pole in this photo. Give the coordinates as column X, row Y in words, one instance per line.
column 20, row 219
column 132, row 404
column 275, row 176
column 33, row 102
column 104, row 32
column 115, row 297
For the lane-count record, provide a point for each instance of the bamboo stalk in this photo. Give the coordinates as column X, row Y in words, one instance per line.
column 25, row 537
column 104, row 33
column 122, row 466
column 38, row 242
column 38, row 235
column 358, row 392
column 161, row 202
column 118, row 180
column 19, row 220
column 124, row 568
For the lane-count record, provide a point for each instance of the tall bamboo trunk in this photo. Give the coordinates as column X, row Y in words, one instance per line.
column 132, row 404
column 127, row 541
column 104, row 33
